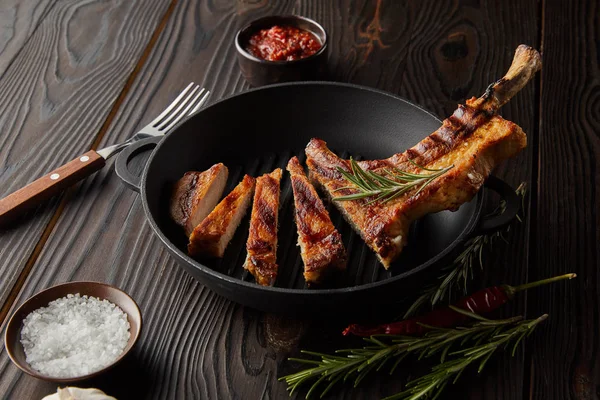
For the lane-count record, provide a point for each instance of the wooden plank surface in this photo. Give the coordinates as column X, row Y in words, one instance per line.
column 564, row 358
column 104, row 228
column 198, row 345
column 57, row 92
column 195, row 344
column 18, row 22
column 230, row 346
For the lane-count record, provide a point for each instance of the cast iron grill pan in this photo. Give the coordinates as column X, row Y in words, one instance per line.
column 259, row 130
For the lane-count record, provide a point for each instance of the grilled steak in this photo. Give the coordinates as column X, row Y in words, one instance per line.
column 196, row 194
column 474, row 140
column 212, row 236
column 261, row 260
column 320, row 243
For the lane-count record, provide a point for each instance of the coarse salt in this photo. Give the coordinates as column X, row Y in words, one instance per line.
column 74, row 336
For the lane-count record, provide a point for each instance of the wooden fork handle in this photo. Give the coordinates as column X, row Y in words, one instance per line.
column 50, row 184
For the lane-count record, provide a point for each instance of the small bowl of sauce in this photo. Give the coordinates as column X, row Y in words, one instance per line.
column 278, row 49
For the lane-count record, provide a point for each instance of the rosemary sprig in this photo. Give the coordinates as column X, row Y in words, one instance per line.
column 430, row 386
column 386, row 187
column 382, row 350
column 457, row 275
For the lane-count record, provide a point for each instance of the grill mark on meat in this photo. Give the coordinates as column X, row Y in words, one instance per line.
column 454, row 130
column 321, row 246
column 266, row 211
column 231, row 199
column 261, row 246
column 312, row 207
column 212, row 236
column 267, row 223
column 375, row 164
column 335, row 257
column 416, row 152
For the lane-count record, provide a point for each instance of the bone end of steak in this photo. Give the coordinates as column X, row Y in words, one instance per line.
column 196, row 194
column 261, row 246
column 214, row 233
column 321, row 246
column 526, row 62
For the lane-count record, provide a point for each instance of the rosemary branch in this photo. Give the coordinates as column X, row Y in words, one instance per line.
column 355, row 364
column 457, row 275
column 386, row 187
column 430, row 386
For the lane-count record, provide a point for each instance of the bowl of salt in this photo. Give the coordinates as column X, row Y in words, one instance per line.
column 73, row 331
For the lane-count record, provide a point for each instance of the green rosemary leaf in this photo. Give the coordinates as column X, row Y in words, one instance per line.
column 481, row 338
column 331, row 384
column 363, row 373
column 418, row 304
column 382, row 180
column 356, row 196
column 400, row 358
column 379, row 356
column 314, row 386
column 430, row 385
column 468, row 313
column 440, row 389
column 351, row 178
column 361, row 176
column 385, row 187
column 420, row 166
column 483, row 362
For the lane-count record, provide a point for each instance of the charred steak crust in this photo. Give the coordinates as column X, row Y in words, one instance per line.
column 321, row 246
column 261, row 246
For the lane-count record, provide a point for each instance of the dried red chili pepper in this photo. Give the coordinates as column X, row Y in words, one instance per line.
column 481, row 302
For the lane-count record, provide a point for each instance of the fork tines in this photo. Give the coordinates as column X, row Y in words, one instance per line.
column 188, row 102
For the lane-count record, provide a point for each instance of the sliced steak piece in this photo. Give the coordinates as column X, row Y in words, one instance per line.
column 196, row 194
column 214, row 233
column 261, row 259
column 321, row 246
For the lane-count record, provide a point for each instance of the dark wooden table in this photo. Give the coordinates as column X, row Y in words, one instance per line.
column 77, row 75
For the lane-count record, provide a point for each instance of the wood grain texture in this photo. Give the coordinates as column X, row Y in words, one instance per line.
column 213, row 349
column 370, row 41
column 112, row 241
column 198, row 345
column 564, row 357
column 57, row 93
column 18, row 22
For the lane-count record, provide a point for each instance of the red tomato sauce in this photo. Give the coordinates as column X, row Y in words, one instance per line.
column 283, row 43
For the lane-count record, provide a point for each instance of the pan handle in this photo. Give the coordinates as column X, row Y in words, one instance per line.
column 513, row 204
column 131, row 180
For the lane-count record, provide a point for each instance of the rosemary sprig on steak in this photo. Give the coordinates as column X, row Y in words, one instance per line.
column 386, row 187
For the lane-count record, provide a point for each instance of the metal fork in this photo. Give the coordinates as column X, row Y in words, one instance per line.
column 186, row 104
